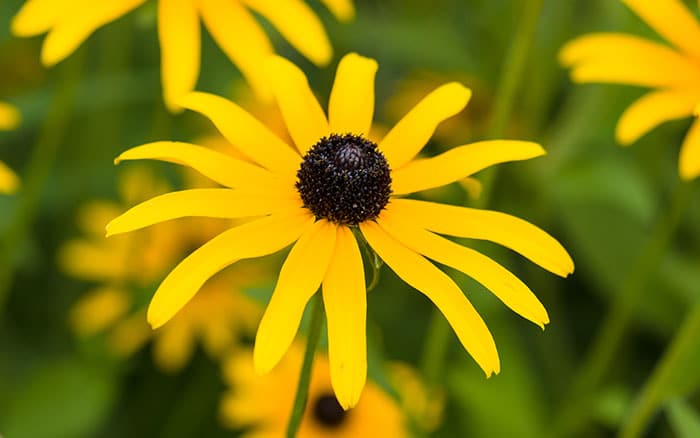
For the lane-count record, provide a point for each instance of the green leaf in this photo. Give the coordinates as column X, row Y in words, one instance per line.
column 684, row 420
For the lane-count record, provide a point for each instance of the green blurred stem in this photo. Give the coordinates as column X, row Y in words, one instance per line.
column 613, row 329
column 652, row 393
column 305, row 376
column 38, row 170
column 438, row 338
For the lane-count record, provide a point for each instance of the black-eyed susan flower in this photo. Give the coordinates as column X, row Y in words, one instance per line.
column 334, row 187
column 246, row 405
column 218, row 317
column 9, row 119
column 230, row 22
column 671, row 71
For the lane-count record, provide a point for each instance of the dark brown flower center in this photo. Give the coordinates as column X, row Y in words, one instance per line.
column 328, row 412
column 344, row 179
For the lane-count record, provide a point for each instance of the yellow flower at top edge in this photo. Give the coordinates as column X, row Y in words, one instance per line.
column 247, row 405
column 672, row 72
column 9, row 119
column 230, row 23
column 336, row 187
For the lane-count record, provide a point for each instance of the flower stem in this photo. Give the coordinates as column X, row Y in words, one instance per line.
column 655, row 389
column 38, row 171
column 614, row 327
column 438, row 338
column 305, row 376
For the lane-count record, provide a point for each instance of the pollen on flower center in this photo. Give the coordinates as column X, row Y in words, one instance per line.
column 344, row 179
column 328, row 411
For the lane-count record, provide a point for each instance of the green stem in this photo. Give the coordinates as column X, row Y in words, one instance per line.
column 305, row 376
column 38, row 171
column 438, row 338
column 613, row 329
column 653, row 392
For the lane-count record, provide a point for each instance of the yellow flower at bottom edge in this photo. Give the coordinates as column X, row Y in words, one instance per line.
column 9, row 119
column 230, row 23
column 672, row 72
column 338, row 183
column 262, row 405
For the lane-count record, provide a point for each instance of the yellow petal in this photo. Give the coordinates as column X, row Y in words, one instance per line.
column 180, row 45
column 503, row 229
column 351, row 106
column 9, row 183
column 689, row 162
column 74, row 27
column 299, row 25
column 130, row 334
column 442, row 291
column 216, row 166
column 345, row 301
column 98, row 310
column 416, row 128
column 227, row 22
column 219, row 203
column 173, row 346
column 650, row 111
column 38, row 16
column 343, row 10
column 596, row 58
column 9, row 117
column 672, row 20
column 301, row 111
column 494, row 277
column 245, row 132
column 299, row 279
column 253, row 239
column 460, row 162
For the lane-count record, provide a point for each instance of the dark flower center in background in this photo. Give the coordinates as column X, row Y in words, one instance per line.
column 328, row 412
column 344, row 179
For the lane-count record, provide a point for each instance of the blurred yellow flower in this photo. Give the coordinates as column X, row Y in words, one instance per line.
column 262, row 405
column 9, row 119
column 673, row 72
column 230, row 22
column 338, row 186
column 217, row 317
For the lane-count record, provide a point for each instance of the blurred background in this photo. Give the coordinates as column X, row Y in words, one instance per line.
column 77, row 360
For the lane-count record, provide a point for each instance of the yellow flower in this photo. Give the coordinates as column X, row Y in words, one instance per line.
column 263, row 404
column 672, row 72
column 337, row 187
column 9, row 119
column 230, row 23
column 218, row 316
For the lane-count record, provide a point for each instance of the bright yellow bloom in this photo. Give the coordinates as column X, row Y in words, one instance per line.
column 264, row 404
column 218, row 316
column 672, row 72
column 230, row 22
column 9, row 119
column 335, row 187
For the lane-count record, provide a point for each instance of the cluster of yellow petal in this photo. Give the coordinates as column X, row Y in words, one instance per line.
column 673, row 72
column 326, row 254
column 126, row 265
column 70, row 22
column 249, row 403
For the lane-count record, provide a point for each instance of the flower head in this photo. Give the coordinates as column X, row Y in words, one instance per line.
column 247, row 403
column 9, row 119
column 282, row 189
column 672, row 72
column 230, row 22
